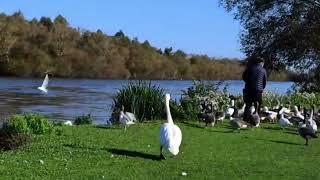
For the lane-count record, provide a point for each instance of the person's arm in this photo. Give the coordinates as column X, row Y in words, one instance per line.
column 264, row 79
column 245, row 75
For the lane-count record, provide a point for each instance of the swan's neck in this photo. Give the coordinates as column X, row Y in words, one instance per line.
column 169, row 117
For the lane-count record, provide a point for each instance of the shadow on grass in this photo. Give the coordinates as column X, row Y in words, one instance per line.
column 275, row 141
column 129, row 153
column 289, row 132
column 272, row 128
column 193, row 125
column 76, row 146
column 107, row 127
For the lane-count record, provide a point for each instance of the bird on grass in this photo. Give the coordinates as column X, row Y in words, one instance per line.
column 238, row 124
column 283, row 122
column 306, row 131
column 125, row 120
column 170, row 134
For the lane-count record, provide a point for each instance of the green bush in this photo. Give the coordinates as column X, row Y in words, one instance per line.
column 38, row 124
column 26, row 124
column 82, row 120
column 146, row 101
column 16, row 124
column 203, row 93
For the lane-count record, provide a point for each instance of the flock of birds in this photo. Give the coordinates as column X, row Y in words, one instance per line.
column 307, row 122
column 171, row 136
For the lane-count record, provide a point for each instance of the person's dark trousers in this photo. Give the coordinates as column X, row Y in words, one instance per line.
column 251, row 97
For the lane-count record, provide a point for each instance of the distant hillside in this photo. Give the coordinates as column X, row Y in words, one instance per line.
column 29, row 48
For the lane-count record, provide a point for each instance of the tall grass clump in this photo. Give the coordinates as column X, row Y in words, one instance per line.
column 143, row 99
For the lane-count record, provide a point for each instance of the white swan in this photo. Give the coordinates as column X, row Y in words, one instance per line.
column 125, row 120
column 170, row 134
column 44, row 86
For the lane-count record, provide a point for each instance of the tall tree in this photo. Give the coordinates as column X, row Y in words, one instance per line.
column 285, row 33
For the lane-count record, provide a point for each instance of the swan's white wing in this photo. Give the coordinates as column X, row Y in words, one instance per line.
column 45, row 82
column 131, row 116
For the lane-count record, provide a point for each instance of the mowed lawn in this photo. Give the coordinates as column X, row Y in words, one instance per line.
column 87, row 152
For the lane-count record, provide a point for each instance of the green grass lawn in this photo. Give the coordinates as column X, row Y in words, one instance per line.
column 87, row 152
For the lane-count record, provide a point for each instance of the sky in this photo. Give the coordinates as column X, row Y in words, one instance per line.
column 196, row 27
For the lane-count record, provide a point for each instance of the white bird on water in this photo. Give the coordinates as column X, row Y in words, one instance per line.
column 45, row 83
column 170, row 134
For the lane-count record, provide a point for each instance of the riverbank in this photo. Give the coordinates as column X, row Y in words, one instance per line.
column 88, row 152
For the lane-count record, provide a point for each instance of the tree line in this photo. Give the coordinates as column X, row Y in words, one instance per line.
column 28, row 48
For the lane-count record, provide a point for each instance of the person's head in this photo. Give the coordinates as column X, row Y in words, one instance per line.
column 259, row 60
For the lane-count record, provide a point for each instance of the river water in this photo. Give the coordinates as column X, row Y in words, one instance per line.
column 68, row 98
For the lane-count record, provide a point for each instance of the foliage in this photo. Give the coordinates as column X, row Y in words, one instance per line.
column 26, row 124
column 82, row 120
column 284, row 33
column 16, row 124
column 203, row 93
column 29, row 48
column 146, row 101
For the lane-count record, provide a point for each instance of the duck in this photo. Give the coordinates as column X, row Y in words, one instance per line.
column 306, row 131
column 170, row 134
column 45, row 83
column 125, row 121
column 283, row 122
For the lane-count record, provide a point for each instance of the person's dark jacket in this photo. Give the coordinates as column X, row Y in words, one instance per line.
column 255, row 78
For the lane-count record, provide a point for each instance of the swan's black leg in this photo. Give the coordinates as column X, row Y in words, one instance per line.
column 161, row 155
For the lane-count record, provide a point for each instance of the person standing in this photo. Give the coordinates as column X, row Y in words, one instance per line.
column 255, row 78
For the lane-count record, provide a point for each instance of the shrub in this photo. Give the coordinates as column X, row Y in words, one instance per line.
column 38, row 124
column 146, row 101
column 16, row 124
column 12, row 141
column 26, row 124
column 84, row 119
column 201, row 94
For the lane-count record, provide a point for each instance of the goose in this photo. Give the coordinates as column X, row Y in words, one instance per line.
column 306, row 131
column 297, row 113
column 312, row 123
column 241, row 111
column 283, row 122
column 316, row 116
column 170, row 134
column 239, row 124
column 275, row 108
column 270, row 115
column 254, row 117
column 124, row 119
column 220, row 116
column 208, row 118
column 45, row 83
column 231, row 110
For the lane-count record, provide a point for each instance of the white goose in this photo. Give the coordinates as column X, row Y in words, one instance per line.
column 283, row 122
column 170, row 134
column 297, row 113
column 312, row 123
column 45, row 83
column 230, row 110
column 125, row 120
